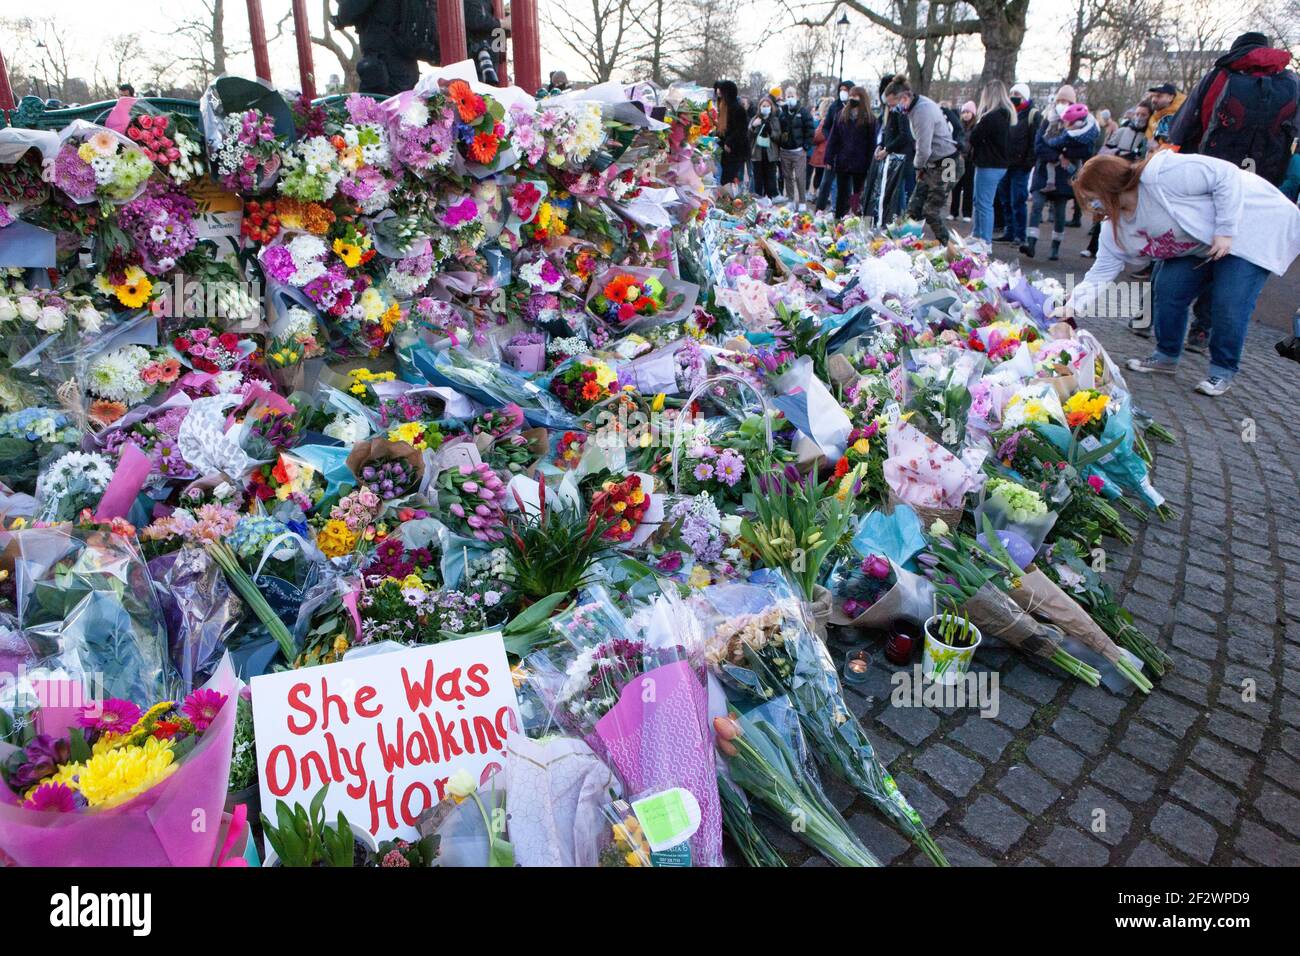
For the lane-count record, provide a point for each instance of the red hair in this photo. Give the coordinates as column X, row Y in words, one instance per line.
column 1105, row 179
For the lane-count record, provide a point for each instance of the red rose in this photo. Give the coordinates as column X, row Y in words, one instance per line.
column 182, row 344
column 229, row 341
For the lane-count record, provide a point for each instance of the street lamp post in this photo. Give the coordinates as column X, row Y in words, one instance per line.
column 842, row 33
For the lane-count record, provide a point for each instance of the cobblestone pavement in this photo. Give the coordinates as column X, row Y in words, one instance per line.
column 1199, row 771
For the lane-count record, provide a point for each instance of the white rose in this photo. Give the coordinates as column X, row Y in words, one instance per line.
column 90, row 318
column 461, row 784
column 8, row 311
column 730, row 525
column 939, row 529
column 50, row 319
column 223, row 491
column 28, row 308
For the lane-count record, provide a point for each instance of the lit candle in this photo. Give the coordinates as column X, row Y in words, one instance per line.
column 856, row 666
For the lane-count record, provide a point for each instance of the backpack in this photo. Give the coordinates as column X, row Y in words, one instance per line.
column 1254, row 117
column 416, row 33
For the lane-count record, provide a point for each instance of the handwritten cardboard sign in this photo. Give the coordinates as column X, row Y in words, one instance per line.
column 386, row 731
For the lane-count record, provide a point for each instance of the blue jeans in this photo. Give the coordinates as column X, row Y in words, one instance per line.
column 987, row 179
column 1232, row 286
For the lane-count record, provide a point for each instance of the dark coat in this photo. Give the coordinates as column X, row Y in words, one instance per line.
column 771, row 128
column 1054, row 143
column 990, row 140
column 898, row 135
column 797, row 127
column 1021, row 145
column 851, row 145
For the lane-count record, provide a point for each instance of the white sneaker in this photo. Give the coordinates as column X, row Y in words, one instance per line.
column 965, row 218
column 1214, row 386
column 1085, row 254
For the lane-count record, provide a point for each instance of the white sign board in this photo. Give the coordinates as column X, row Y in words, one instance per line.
column 385, row 732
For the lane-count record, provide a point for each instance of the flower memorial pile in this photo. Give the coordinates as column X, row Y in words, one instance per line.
column 476, row 392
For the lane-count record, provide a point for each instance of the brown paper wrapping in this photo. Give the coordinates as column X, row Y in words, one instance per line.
column 374, row 448
column 1042, row 597
column 994, row 613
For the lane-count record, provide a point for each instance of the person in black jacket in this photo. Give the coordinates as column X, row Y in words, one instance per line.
column 390, row 48
column 990, row 152
column 849, row 150
column 895, row 139
column 765, row 148
column 733, row 131
column 824, row 130
column 1014, row 191
column 797, row 131
column 963, row 191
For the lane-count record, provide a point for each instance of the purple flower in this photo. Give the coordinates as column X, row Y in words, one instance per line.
column 703, row 471
column 730, row 467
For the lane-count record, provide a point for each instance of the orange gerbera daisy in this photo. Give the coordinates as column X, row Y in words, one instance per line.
column 484, row 148
column 618, row 289
column 469, row 105
column 105, row 412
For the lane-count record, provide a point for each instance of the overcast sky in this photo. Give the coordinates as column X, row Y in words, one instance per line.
column 88, row 25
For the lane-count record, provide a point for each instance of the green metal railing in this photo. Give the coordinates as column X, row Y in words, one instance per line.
column 30, row 113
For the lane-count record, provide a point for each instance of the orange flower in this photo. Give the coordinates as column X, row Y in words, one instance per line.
column 484, row 148
column 1075, row 419
column 617, row 288
column 469, row 105
column 104, row 412
column 590, row 391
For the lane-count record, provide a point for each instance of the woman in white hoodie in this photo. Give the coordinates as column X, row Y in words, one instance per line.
column 1188, row 211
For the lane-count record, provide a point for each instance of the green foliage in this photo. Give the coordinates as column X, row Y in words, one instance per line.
column 303, row 838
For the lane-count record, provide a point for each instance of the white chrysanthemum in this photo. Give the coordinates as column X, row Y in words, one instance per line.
column 115, row 375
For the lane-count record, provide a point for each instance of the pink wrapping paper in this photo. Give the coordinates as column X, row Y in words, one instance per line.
column 666, row 742
column 176, row 823
column 132, row 469
column 923, row 473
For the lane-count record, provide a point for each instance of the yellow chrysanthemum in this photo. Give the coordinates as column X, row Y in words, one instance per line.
column 388, row 321
column 410, row 432
column 116, row 775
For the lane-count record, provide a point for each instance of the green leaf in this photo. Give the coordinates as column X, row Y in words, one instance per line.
column 78, row 750
column 535, row 614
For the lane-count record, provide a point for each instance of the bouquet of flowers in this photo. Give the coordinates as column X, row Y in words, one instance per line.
column 624, row 297
column 471, row 497
column 623, row 506
column 761, row 648
column 594, row 683
column 124, row 786
column 246, row 155
column 409, row 611
column 97, row 164
column 583, row 384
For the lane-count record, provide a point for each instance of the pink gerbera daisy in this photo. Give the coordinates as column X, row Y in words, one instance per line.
column 112, row 716
column 202, row 706
column 52, row 796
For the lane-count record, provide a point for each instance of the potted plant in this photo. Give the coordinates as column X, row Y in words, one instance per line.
column 950, row 642
column 303, row 837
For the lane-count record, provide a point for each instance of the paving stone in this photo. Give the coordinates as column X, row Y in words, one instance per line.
column 1013, row 712
column 913, row 724
column 1066, row 846
column 1148, row 745
column 1169, row 714
column 1198, row 790
column 1244, row 733
column 1055, row 759
column 1185, row 832
column 1220, row 761
column 884, row 842
column 950, row 770
column 1148, row 854
column 1081, row 731
column 982, row 736
column 1110, row 825
column 1265, row 847
column 1125, row 778
column 993, row 822
column 1280, row 809
column 1282, row 768
column 1029, row 789
column 924, row 801
column 1032, row 683
column 1098, row 703
column 958, row 853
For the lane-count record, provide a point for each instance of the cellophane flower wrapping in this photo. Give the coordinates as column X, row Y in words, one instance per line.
column 174, row 823
column 636, row 692
column 87, row 608
column 759, row 644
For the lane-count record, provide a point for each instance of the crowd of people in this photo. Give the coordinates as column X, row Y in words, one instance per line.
column 1165, row 187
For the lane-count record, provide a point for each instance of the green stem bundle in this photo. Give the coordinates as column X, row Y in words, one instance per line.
column 241, row 582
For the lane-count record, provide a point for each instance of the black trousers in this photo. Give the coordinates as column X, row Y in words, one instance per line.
column 847, row 185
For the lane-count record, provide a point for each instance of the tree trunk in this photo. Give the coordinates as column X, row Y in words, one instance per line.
column 218, row 37
column 1002, row 35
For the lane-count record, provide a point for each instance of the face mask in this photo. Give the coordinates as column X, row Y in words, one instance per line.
column 792, row 102
column 764, row 110
column 844, row 96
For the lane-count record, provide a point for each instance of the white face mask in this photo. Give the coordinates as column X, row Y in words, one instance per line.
column 764, row 110
column 844, row 96
column 791, row 102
